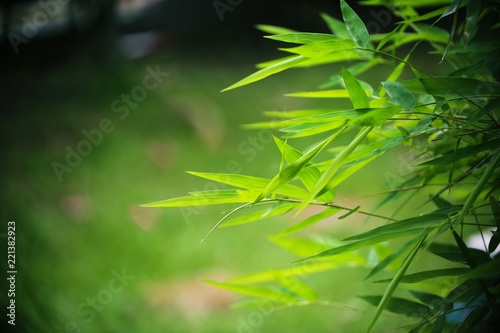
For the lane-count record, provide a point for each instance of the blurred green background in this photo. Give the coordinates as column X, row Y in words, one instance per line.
column 89, row 258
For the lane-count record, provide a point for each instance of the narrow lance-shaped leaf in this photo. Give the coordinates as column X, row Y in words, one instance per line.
column 495, row 238
column 399, row 305
column 336, row 27
column 422, row 225
column 272, row 29
column 357, row 94
column 426, row 275
column 309, row 175
column 400, row 95
column 321, row 49
column 335, row 166
column 354, row 25
column 265, row 72
column 310, row 221
column 256, row 291
column 207, row 198
column 250, row 183
column 289, row 173
column 394, row 284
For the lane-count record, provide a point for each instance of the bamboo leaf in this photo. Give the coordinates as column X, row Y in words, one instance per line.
column 256, row 291
column 321, row 49
column 304, row 37
column 394, row 284
column 354, row 25
column 336, row 27
column 206, row 198
column 335, row 166
column 399, row 305
column 426, row 275
column 400, row 95
column 357, row 95
column 268, row 71
column 261, row 214
column 488, row 270
column 464, row 153
column 274, row 30
column 250, row 183
column 392, row 257
column 289, row 173
column 337, row 93
column 452, row 253
column 310, row 221
column 309, row 175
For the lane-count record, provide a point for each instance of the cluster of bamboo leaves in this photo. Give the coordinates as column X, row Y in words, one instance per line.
column 450, row 120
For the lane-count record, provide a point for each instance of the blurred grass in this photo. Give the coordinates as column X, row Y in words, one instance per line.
column 72, row 235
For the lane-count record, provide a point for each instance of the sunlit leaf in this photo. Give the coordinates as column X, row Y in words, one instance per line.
column 205, row 198
column 336, row 27
column 272, row 29
column 256, row 291
column 265, row 72
column 357, row 95
column 321, row 49
column 310, row 221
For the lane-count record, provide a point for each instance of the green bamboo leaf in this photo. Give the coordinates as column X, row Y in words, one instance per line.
column 321, row 49
column 450, row 10
column 337, row 93
column 334, row 167
column 261, row 214
column 487, row 270
column 206, row 198
column 492, row 106
column 289, row 173
column 357, row 94
column 354, row 25
column 295, row 271
column 274, row 30
column 387, row 37
column 495, row 238
column 250, row 183
column 297, row 288
column 310, row 221
column 452, row 87
column 304, row 37
column 452, row 253
column 392, row 257
column 309, row 175
column 426, row 275
column 413, row 224
column 394, row 284
column 399, row 305
column 356, row 69
column 268, row 71
column 400, row 95
column 336, row 27
column 464, row 153
column 471, row 21
column 422, row 225
column 376, row 116
column 256, row 291
column 309, row 129
column 345, row 55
